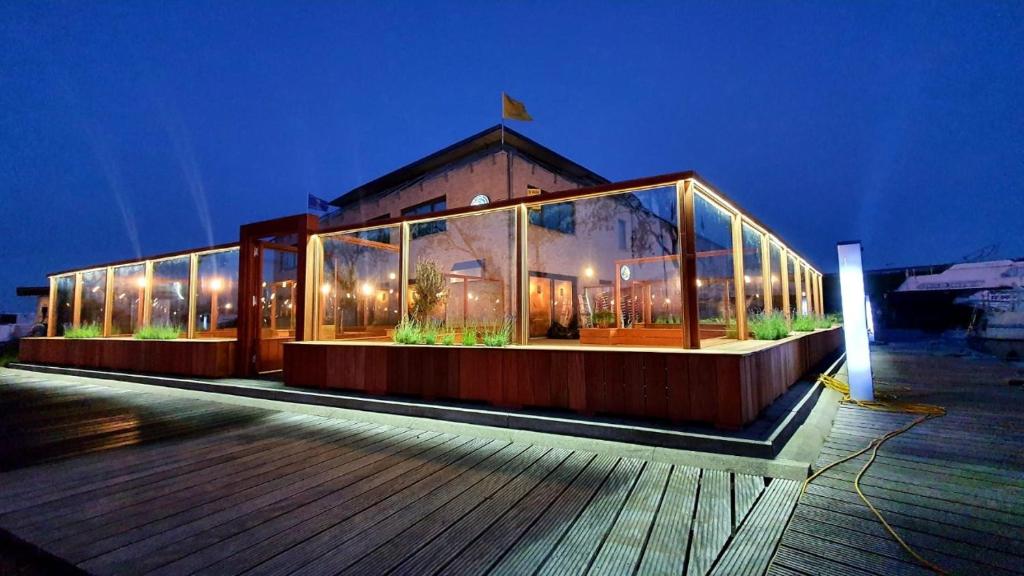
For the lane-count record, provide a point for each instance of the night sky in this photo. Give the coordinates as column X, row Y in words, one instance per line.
column 143, row 127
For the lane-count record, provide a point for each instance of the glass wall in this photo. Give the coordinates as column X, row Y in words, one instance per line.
column 794, row 281
column 216, row 289
column 753, row 270
column 716, row 290
column 170, row 293
column 776, row 273
column 359, row 293
column 805, row 286
column 605, row 269
column 462, row 274
column 64, row 307
column 129, row 283
column 94, row 297
column 601, row 269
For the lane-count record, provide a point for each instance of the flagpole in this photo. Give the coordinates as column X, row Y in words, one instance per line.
column 502, row 114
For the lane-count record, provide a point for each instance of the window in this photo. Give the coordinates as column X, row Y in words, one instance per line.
column 558, row 217
column 621, row 228
column 382, row 235
column 429, row 207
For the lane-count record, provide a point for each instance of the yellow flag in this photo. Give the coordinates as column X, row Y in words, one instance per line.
column 512, row 109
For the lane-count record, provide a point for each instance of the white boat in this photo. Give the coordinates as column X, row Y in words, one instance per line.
column 995, row 290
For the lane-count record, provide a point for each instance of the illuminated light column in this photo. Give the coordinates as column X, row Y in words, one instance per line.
column 855, row 327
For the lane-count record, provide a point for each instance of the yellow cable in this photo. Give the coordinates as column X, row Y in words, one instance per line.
column 925, row 412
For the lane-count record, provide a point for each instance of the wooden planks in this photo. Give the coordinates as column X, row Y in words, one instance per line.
column 950, row 487
column 724, row 389
column 303, row 494
column 205, row 358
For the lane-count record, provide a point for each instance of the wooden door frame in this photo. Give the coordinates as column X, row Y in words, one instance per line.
column 304, row 226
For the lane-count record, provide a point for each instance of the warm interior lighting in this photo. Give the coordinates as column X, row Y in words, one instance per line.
column 227, row 306
column 588, row 272
column 699, row 283
column 217, row 285
column 367, row 289
column 775, row 279
column 746, row 279
column 140, row 281
column 391, row 276
column 325, row 289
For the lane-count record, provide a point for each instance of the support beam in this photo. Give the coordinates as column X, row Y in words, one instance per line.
column 688, row 265
column 737, row 267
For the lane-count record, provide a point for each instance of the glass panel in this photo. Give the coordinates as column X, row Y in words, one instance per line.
column 170, row 294
column 753, row 272
column 360, row 297
column 129, row 291
column 605, row 270
column 794, row 302
column 805, row 289
column 716, row 290
column 64, row 314
column 94, row 297
column 217, row 295
column 463, row 273
column 280, row 268
column 776, row 272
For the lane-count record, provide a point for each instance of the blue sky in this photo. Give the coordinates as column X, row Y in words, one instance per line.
column 142, row 127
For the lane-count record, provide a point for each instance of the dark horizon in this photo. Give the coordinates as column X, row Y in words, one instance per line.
column 134, row 129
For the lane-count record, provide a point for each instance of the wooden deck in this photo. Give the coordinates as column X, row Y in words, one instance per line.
column 952, row 487
column 119, row 482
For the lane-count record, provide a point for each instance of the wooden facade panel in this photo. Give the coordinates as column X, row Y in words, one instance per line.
column 725, row 389
column 198, row 358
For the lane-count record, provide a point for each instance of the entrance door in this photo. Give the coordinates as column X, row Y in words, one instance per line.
column 278, row 303
column 271, row 291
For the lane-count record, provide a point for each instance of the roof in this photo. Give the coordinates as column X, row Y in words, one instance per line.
column 33, row 291
column 489, row 138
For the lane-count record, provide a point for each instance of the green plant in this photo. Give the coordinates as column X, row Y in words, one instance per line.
column 836, row 318
column 469, row 334
column 768, row 326
column 713, row 320
column 448, row 339
column 822, row 322
column 84, row 331
column 428, row 335
column 407, row 332
column 603, row 318
column 429, row 290
column 667, row 319
column 498, row 335
column 803, row 323
column 157, row 333
column 731, row 331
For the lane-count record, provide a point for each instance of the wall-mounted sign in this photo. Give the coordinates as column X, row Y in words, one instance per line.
column 625, row 273
column 480, row 200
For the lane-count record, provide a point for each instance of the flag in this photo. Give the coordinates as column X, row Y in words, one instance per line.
column 512, row 109
column 318, row 204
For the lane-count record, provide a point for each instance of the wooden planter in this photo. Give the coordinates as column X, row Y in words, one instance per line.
column 727, row 389
column 205, row 358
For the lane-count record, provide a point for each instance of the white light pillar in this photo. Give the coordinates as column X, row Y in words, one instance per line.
column 855, row 323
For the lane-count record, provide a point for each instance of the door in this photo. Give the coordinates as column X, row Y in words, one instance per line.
column 278, row 304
